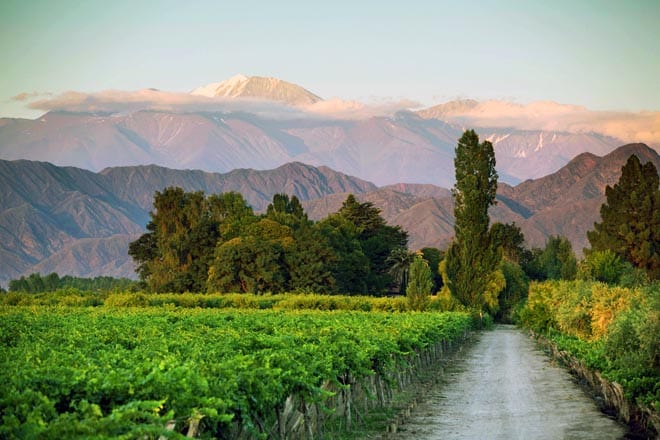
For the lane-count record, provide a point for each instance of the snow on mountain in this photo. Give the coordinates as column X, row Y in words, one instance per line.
column 241, row 86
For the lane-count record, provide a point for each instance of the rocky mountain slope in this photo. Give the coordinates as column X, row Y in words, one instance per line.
column 77, row 222
column 74, row 221
column 565, row 203
column 384, row 150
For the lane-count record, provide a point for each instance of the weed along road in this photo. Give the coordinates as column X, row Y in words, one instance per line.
column 503, row 387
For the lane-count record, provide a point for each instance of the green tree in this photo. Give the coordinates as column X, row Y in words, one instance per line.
column 471, row 265
column 557, row 261
column 247, row 265
column 630, row 218
column 433, row 257
column 350, row 267
column 514, row 292
column 377, row 240
column 420, row 283
column 182, row 235
column 309, row 261
column 231, row 212
column 287, row 211
column 399, row 261
column 510, row 238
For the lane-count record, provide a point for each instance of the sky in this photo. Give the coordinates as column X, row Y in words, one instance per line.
column 604, row 55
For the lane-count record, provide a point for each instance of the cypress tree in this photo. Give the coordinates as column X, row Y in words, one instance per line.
column 630, row 218
column 420, row 283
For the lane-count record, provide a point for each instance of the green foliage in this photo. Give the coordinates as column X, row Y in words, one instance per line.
column 612, row 329
column 630, row 218
column 309, row 260
column 36, row 283
column 470, row 269
column 216, row 243
column 557, row 261
column 510, row 238
column 287, row 211
column 419, row 286
column 377, row 240
column 351, row 266
column 604, row 266
column 633, row 340
column 247, row 264
column 131, row 372
column 399, row 261
column 175, row 254
column 531, row 264
column 514, row 292
column 282, row 301
column 433, row 257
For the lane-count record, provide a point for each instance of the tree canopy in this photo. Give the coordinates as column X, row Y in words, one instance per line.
column 217, row 243
column 630, row 218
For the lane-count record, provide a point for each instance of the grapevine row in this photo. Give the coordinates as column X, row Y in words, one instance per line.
column 149, row 372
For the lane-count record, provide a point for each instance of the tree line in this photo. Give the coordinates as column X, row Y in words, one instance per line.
column 215, row 243
column 37, row 283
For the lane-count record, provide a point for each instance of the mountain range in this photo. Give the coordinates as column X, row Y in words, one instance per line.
column 74, row 221
column 262, row 123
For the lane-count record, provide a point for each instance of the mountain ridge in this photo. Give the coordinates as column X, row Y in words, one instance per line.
column 383, row 150
column 78, row 222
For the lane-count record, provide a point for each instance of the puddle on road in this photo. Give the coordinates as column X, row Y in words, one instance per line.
column 503, row 387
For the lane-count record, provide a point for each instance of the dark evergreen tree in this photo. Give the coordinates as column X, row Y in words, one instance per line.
column 287, row 211
column 377, row 240
column 471, row 265
column 350, row 267
column 434, row 256
column 309, row 261
column 630, row 218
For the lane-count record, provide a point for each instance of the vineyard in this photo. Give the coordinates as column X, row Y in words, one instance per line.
column 119, row 371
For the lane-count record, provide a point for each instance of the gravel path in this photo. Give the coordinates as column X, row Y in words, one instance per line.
column 503, row 387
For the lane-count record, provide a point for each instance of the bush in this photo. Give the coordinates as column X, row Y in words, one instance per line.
column 609, row 328
column 604, row 266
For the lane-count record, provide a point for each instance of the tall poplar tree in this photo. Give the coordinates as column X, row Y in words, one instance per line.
column 630, row 218
column 471, row 266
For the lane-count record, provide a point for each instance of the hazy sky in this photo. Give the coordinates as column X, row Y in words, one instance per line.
column 599, row 54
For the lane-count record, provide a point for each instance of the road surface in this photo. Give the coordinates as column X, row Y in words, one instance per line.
column 503, row 387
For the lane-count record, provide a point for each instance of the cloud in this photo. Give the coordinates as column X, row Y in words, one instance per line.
column 541, row 115
column 340, row 109
column 550, row 116
column 26, row 96
column 118, row 101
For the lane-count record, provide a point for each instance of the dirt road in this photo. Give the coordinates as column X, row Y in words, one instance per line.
column 503, row 387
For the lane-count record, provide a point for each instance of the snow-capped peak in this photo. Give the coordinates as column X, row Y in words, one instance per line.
column 241, row 86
